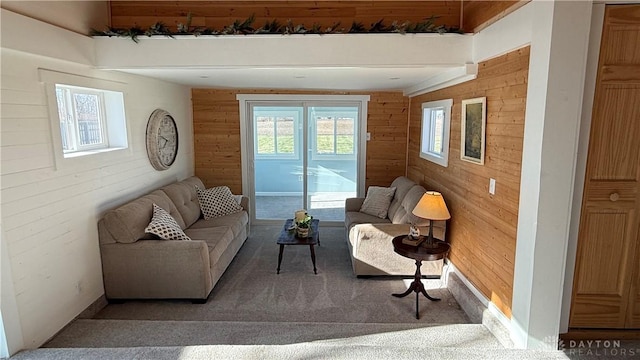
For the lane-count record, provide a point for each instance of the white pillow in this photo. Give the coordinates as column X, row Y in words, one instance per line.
column 217, row 201
column 377, row 201
column 165, row 226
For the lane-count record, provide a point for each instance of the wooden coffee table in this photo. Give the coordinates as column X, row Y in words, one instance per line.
column 438, row 250
column 288, row 237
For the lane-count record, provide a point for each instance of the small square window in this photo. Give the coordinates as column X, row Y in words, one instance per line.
column 434, row 140
column 90, row 119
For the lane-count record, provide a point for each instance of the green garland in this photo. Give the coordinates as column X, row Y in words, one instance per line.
column 274, row 27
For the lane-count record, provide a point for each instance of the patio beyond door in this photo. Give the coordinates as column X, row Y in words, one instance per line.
column 305, row 156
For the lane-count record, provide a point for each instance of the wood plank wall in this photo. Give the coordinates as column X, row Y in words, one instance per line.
column 216, row 125
column 217, row 14
column 482, row 229
column 478, row 14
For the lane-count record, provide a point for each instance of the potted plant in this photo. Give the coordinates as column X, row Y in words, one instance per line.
column 303, row 225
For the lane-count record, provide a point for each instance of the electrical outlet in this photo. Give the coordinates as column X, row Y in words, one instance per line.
column 492, row 186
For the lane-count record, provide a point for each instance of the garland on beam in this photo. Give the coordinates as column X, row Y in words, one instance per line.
column 245, row 27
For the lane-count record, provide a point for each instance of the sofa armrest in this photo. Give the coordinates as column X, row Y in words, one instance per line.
column 244, row 202
column 353, row 204
column 160, row 269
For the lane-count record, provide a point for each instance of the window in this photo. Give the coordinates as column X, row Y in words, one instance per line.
column 434, row 141
column 90, row 120
column 276, row 132
column 334, row 131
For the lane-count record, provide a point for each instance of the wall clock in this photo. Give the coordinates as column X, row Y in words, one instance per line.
column 162, row 139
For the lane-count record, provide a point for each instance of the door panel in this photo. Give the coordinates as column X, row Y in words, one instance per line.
column 605, row 293
column 304, row 157
column 611, row 229
column 278, row 160
column 333, row 165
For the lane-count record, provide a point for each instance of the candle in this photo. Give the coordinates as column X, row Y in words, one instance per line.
column 300, row 215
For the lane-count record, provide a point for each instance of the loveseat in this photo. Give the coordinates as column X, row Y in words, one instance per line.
column 369, row 236
column 138, row 265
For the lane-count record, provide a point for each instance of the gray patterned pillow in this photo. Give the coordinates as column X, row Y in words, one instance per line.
column 377, row 201
column 165, row 226
column 217, row 201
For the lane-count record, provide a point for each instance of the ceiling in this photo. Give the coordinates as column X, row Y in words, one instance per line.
column 309, row 78
column 345, row 62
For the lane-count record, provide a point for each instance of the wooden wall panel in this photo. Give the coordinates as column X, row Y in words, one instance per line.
column 478, row 14
column 482, row 229
column 216, row 127
column 217, row 14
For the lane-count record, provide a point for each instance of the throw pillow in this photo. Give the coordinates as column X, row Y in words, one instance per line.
column 165, row 226
column 377, row 201
column 217, row 201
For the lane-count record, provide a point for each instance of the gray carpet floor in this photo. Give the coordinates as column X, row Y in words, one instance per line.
column 254, row 313
column 250, row 290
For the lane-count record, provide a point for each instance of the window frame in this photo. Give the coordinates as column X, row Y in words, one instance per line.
column 315, row 155
column 118, row 125
column 427, row 131
column 70, row 91
column 296, row 140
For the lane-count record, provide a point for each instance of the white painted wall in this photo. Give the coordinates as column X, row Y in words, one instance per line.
column 554, row 105
column 78, row 16
column 597, row 23
column 50, row 213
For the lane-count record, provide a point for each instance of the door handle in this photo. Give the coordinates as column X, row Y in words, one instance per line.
column 614, row 196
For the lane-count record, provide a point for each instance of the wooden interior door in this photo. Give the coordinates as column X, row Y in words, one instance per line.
column 606, row 291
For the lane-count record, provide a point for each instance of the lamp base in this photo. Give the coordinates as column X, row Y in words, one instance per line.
column 409, row 240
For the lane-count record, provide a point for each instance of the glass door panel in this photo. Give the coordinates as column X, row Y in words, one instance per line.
column 332, row 165
column 278, row 160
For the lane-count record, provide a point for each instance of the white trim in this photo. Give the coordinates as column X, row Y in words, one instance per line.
column 443, row 80
column 278, row 194
column 117, row 105
column 22, row 33
column 491, row 307
column 296, row 97
column 246, row 159
column 257, row 51
column 557, row 68
column 597, row 23
column 509, row 33
column 425, row 131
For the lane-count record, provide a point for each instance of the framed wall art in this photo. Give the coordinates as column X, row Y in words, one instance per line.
column 473, row 130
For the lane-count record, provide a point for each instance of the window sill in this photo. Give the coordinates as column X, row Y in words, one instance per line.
column 77, row 154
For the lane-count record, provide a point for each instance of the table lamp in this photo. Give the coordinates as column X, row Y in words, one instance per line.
column 431, row 207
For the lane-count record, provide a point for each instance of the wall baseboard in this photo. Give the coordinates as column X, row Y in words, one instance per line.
column 92, row 310
column 479, row 309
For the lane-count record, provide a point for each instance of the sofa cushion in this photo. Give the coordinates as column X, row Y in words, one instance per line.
column 237, row 222
column 352, row 218
column 409, row 202
column 217, row 239
column 402, row 185
column 377, row 201
column 165, row 226
column 126, row 223
column 217, row 201
column 183, row 194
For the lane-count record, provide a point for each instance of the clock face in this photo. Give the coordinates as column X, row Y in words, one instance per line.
column 167, row 141
column 162, row 140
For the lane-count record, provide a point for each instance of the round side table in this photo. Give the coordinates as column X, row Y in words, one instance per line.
column 423, row 252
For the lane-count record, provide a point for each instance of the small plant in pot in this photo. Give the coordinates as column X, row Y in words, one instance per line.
column 303, row 225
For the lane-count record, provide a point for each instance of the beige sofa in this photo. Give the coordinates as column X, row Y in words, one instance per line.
column 369, row 237
column 136, row 266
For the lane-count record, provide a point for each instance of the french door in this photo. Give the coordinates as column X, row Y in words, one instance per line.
column 303, row 155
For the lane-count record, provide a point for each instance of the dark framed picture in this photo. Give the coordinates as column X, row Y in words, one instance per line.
column 473, row 126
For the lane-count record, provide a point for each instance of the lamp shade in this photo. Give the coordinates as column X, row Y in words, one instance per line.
column 432, row 207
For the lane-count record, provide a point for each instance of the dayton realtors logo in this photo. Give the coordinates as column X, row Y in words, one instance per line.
column 597, row 348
